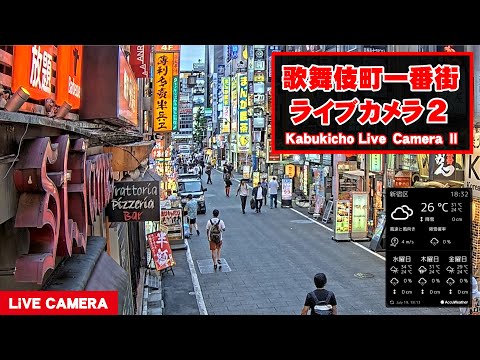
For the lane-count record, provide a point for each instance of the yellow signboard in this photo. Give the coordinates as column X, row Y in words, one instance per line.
column 162, row 92
column 290, row 170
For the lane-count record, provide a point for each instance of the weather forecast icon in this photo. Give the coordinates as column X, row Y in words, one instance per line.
column 402, row 213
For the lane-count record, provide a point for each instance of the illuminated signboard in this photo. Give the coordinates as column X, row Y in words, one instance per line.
column 69, row 75
column 163, row 91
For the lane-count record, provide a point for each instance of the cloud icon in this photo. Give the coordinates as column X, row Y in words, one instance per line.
column 402, row 213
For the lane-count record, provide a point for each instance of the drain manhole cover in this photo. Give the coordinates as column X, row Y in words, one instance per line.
column 301, row 221
column 361, row 275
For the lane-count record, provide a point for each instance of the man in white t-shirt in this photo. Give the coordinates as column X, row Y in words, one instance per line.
column 273, row 190
column 215, row 247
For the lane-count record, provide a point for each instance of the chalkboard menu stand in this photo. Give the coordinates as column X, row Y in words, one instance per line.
column 173, row 218
column 378, row 237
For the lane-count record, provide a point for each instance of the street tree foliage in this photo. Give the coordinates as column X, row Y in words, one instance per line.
column 199, row 127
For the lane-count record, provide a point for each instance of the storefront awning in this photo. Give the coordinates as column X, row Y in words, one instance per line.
column 355, row 174
column 94, row 270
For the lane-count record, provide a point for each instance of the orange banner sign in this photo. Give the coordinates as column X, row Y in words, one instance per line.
column 69, row 75
column 32, row 69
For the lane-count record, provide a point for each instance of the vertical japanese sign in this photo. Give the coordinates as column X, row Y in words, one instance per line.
column 32, row 69
column 233, row 104
column 376, row 162
column 127, row 91
column 176, row 73
column 272, row 158
column 372, row 103
column 244, row 141
column 163, row 92
column 69, row 75
column 140, row 60
column 226, row 105
column 160, row 250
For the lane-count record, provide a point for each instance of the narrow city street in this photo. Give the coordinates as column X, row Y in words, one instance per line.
column 270, row 259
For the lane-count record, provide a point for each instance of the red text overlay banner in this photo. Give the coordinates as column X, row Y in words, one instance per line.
column 58, row 302
column 372, row 103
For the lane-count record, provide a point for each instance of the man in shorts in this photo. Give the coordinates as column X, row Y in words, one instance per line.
column 192, row 207
column 215, row 247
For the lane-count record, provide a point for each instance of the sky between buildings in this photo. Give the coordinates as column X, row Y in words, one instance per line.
column 190, row 54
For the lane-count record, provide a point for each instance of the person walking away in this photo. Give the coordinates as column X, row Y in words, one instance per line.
column 208, row 171
column 273, row 190
column 242, row 190
column 228, row 183
column 320, row 299
column 264, row 185
column 258, row 193
column 475, row 308
column 192, row 207
column 215, row 228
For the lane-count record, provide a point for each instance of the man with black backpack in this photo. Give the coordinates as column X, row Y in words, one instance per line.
column 320, row 301
column 215, row 228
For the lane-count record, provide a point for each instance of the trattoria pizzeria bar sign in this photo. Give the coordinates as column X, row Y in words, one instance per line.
column 372, row 103
column 135, row 201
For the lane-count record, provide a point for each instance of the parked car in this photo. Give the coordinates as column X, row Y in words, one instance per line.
column 188, row 176
column 194, row 186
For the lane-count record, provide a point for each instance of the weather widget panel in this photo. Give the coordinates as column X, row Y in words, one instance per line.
column 428, row 247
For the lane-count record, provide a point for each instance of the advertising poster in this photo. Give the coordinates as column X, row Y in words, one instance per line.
column 246, row 172
column 256, row 177
column 287, row 189
column 359, row 215
column 161, row 251
column 342, row 220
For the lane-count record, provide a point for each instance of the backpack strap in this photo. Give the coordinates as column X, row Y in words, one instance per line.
column 329, row 296
column 314, row 296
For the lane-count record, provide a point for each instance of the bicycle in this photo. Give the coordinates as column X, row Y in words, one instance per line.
column 300, row 199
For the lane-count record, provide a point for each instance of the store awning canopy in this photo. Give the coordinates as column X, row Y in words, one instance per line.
column 355, row 174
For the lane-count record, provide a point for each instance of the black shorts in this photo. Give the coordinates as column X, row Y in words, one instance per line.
column 193, row 221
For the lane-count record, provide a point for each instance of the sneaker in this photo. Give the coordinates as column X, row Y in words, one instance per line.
column 198, row 232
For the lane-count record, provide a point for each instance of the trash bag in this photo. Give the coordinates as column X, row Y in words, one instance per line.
column 252, row 203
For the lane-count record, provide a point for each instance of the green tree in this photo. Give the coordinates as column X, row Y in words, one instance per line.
column 199, row 127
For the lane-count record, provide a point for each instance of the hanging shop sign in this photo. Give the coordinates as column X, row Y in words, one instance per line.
column 376, row 162
column 290, row 170
column 33, row 70
column 109, row 87
column 160, row 250
column 376, row 103
column 163, row 92
column 140, row 60
column 69, row 75
column 244, row 138
column 134, row 201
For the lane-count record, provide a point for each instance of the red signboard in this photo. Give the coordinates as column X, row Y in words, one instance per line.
column 69, row 75
column 127, row 91
column 161, row 251
column 32, row 69
column 140, row 60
